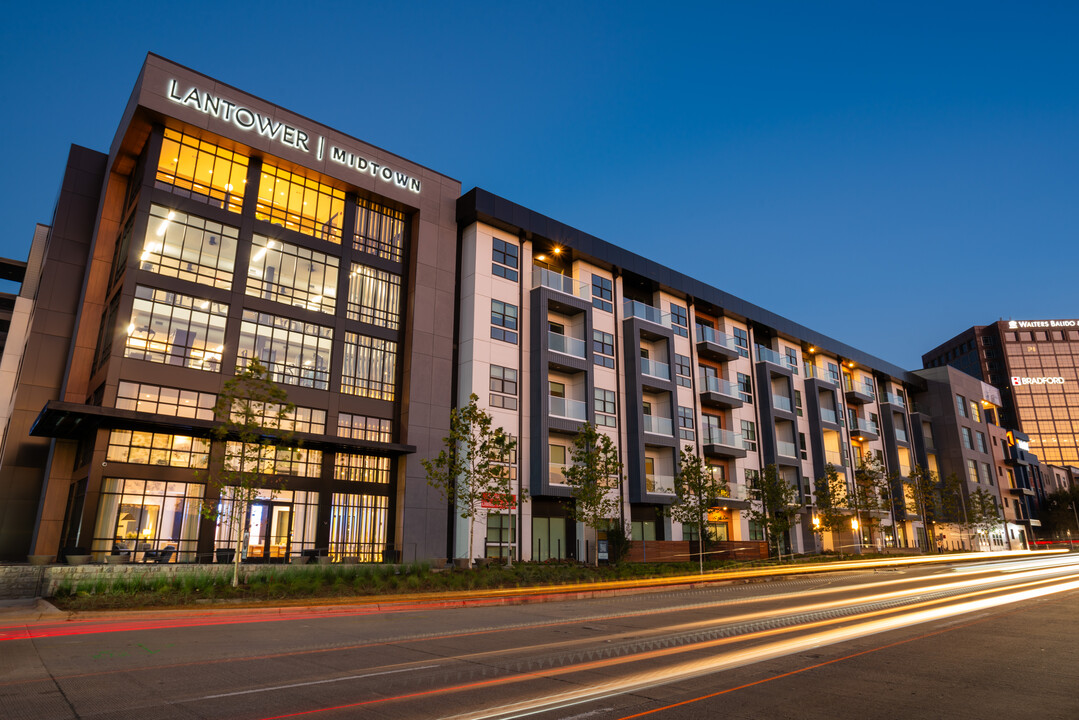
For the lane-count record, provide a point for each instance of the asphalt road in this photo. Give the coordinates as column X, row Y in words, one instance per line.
column 992, row 639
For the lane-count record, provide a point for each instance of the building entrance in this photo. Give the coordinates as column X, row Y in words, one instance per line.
column 269, row 531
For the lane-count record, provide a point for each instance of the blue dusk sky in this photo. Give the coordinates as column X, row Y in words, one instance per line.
column 888, row 174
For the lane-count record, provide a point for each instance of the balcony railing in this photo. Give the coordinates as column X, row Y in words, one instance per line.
column 710, row 383
column 828, row 416
column 566, row 408
column 707, row 334
column 786, row 449
column 556, row 473
column 633, row 308
column 834, row 457
column 900, row 434
column 657, row 425
column 663, row 484
column 862, row 386
column 734, row 492
column 892, row 398
column 719, row 436
column 781, row 402
column 565, row 344
column 858, row 424
column 767, row 354
column 562, row 283
column 653, row 368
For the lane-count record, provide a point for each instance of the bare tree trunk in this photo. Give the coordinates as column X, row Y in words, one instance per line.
column 241, row 516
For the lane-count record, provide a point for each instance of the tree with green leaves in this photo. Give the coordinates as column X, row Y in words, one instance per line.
column 953, row 504
column 774, row 506
column 252, row 413
column 925, row 498
column 830, row 492
column 593, row 472
column 696, row 489
column 983, row 513
column 870, row 493
column 472, row 465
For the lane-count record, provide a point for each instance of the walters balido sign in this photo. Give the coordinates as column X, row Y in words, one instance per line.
column 251, row 120
column 1023, row 324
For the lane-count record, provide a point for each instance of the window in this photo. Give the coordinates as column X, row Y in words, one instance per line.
column 301, row 204
column 749, row 435
column 503, row 387
column 741, row 339
column 798, row 402
column 202, row 171
column 369, row 368
column 604, row 404
column 602, row 293
column 745, row 388
column 165, row 401
column 154, row 514
column 975, row 411
column 603, row 348
column 961, row 405
column 358, row 526
column 176, row 329
column 374, row 296
column 362, row 427
column 361, row 468
column 556, row 389
column 685, row 423
column 504, row 321
column 273, row 460
column 379, row 230
column 557, row 460
column 756, row 531
column 501, row 534
column 792, row 359
column 292, row 275
column 682, row 370
column 972, row 471
column 987, row 474
column 299, row 419
column 980, row 441
column 833, row 372
column 679, row 320
column 967, row 441
column 295, row 352
column 802, row 445
column 504, row 259
column 146, row 448
column 188, row 247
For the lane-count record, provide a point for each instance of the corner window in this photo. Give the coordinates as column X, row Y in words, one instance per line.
column 679, row 320
column 504, row 259
column 741, row 339
column 602, row 293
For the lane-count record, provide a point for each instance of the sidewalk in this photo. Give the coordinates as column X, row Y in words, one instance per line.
column 28, row 610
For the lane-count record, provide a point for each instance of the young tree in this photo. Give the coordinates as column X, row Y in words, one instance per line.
column 953, row 503
column 697, row 489
column 471, row 467
column 983, row 515
column 870, row 493
column 251, row 411
column 925, row 497
column 775, row 505
column 594, row 470
column 831, row 495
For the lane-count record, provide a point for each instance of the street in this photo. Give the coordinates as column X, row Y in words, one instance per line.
column 954, row 640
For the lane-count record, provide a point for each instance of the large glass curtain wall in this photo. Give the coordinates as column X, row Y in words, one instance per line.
column 147, row 519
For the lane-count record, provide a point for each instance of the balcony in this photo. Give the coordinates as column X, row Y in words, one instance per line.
column 781, row 402
column 656, row 425
column 737, row 493
column 715, row 345
column 834, row 457
column 633, row 308
column 722, row 443
column 901, row 435
column 542, row 277
column 566, row 345
column 859, row 393
column 569, row 409
column 864, row 429
column 655, row 369
column 766, row 354
column 786, row 449
column 659, row 484
column 818, row 373
column 892, row 399
column 718, row 392
column 829, row 416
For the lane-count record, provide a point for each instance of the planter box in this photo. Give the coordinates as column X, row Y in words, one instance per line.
column 462, row 563
column 78, row 559
column 40, row 559
column 117, row 559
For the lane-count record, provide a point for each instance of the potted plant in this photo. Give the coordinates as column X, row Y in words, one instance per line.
column 76, row 556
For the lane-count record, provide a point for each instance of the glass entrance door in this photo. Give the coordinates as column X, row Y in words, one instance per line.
column 269, row 529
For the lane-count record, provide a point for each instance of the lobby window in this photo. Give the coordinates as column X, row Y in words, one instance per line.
column 202, row 171
column 503, row 387
column 975, row 411
column 358, row 526
column 504, row 321
column 138, row 515
column 369, row 368
column 292, row 275
column 501, row 534
column 604, row 405
column 176, row 329
column 146, row 448
column 961, row 405
column 745, row 388
column 602, row 293
column 682, row 370
column 979, row 441
column 741, row 339
column 165, row 400
column 685, row 423
column 362, row 427
column 374, row 296
column 273, row 460
column 190, row 248
column 504, row 259
column 749, row 435
column 380, row 230
column 301, row 204
column 361, row 468
column 603, row 348
column 295, row 352
column 967, row 440
column 679, row 320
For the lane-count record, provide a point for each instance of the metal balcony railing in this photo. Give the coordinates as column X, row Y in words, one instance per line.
column 565, row 344
column 570, row 409
column 562, row 283
column 633, row 308
column 658, row 425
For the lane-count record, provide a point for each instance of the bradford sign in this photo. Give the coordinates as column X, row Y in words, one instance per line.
column 292, row 137
column 1037, row 380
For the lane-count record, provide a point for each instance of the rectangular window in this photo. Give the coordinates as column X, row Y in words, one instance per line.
column 802, row 445
column 745, row 388
column 604, row 404
column 361, row 468
column 833, row 372
column 685, row 423
column 358, row 527
column 741, row 339
column 975, row 411
column 503, row 387
column 374, row 296
column 146, row 448
column 972, row 471
column 504, row 259
column 189, row 248
column 301, row 204
column 679, row 320
column 798, row 402
column 501, row 534
column 295, row 352
column 556, row 389
column 749, row 435
column 273, row 460
column 602, row 293
column 603, row 348
column 165, row 401
column 202, row 171
column 176, row 329
column 369, row 368
column 146, row 515
column 380, row 230
column 979, row 441
column 756, row 531
column 967, row 440
column 293, row 275
column 987, row 474
column 299, row 419
column 504, row 321
column 792, row 359
column 362, row 427
column 961, row 405
column 682, row 370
